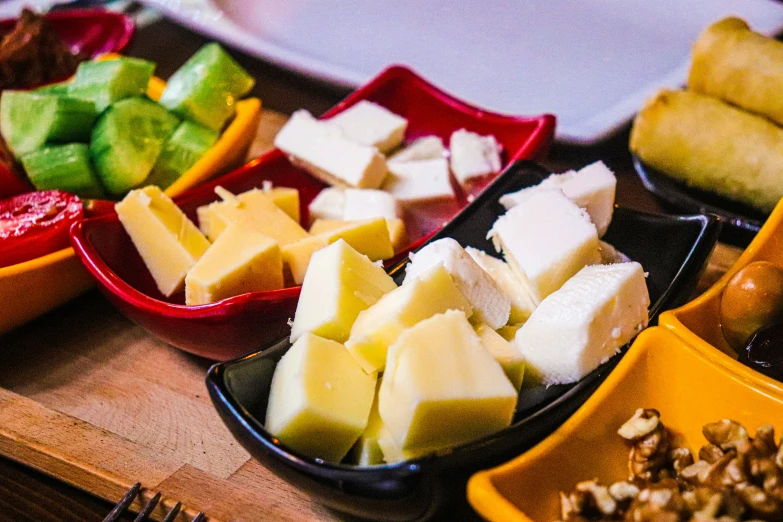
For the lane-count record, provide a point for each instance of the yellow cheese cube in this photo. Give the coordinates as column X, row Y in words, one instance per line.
column 367, row 452
column 296, row 256
column 378, row 327
column 286, row 199
column 505, row 353
column 256, row 213
column 522, row 304
column 319, row 400
column 240, row 261
column 369, row 237
column 442, row 388
column 339, row 283
column 398, row 235
column 167, row 241
column 391, row 452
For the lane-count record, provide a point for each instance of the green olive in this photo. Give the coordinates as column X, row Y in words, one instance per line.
column 752, row 298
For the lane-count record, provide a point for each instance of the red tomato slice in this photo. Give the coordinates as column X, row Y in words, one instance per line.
column 35, row 224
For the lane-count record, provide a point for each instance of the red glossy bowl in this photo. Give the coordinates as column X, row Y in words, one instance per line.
column 87, row 31
column 241, row 324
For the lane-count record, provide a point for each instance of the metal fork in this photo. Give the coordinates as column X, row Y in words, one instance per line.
column 127, row 500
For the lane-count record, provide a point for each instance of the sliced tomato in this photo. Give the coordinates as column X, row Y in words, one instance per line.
column 35, row 224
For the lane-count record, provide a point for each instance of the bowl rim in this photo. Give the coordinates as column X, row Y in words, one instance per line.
column 485, row 497
column 535, row 145
column 220, row 392
column 772, row 229
column 80, row 15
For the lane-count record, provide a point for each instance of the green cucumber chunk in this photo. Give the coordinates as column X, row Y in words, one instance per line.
column 58, row 89
column 65, row 167
column 29, row 120
column 127, row 141
column 109, row 81
column 185, row 147
column 205, row 89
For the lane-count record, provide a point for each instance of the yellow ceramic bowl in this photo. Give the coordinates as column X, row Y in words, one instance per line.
column 698, row 322
column 34, row 287
column 659, row 371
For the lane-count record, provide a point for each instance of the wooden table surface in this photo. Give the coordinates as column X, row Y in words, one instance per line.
column 26, row 494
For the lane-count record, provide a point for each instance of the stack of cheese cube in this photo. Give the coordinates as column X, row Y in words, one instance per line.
column 399, row 372
column 250, row 242
column 355, row 152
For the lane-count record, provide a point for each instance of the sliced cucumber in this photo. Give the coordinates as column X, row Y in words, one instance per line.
column 206, row 88
column 185, row 147
column 127, row 140
column 64, row 167
column 28, row 120
column 58, row 89
column 108, row 81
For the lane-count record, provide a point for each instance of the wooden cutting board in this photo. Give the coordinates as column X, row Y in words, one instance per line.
column 92, row 399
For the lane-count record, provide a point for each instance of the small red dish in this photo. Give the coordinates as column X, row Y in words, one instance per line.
column 87, row 31
column 241, row 324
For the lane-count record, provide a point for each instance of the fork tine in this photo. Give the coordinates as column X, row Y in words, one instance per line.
column 126, row 501
column 173, row 513
column 148, row 508
column 199, row 517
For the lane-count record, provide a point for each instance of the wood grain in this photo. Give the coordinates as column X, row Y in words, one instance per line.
column 92, row 399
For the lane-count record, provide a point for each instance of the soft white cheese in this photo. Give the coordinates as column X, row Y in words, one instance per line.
column 592, row 188
column 371, row 124
column 473, row 156
column 368, row 204
column 546, row 239
column 522, row 304
column 428, row 147
column 322, row 149
column 586, row 322
column 419, row 181
column 328, row 204
column 491, row 305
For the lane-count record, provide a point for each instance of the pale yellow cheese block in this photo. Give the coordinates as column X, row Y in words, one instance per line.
column 522, row 304
column 239, row 261
column 366, row 451
column 368, row 236
column 167, row 241
column 505, row 353
column 286, row 199
column 319, row 400
column 378, row 327
column 441, row 387
column 297, row 255
column 397, row 232
column 256, row 213
column 339, row 283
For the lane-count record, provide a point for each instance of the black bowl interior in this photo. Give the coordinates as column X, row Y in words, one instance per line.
column 741, row 222
column 672, row 249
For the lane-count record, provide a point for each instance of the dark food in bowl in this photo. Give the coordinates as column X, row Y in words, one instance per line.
column 32, row 54
column 736, row 477
column 752, row 299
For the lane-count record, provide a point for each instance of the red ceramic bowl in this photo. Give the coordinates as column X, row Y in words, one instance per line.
column 87, row 31
column 243, row 323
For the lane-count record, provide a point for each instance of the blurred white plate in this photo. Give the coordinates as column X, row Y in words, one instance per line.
column 592, row 64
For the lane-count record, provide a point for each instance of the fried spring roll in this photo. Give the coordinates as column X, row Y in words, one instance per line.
column 711, row 145
column 744, row 68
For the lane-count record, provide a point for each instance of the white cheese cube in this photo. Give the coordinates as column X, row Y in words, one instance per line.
column 546, row 239
column 522, row 304
column 323, row 150
column 419, row 181
column 505, row 353
column 586, row 322
column 369, row 204
column 441, row 387
column 473, row 156
column 319, row 399
column 592, row 188
column 490, row 304
column 371, row 124
column 328, row 204
column 428, row 147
